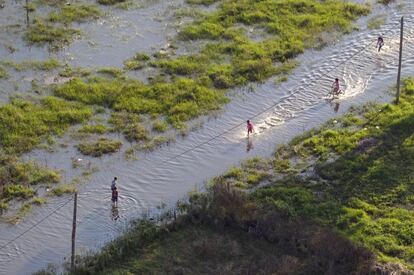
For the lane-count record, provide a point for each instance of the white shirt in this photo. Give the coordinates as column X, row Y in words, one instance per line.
column 113, row 184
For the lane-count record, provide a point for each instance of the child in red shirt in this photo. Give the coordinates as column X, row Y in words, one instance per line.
column 249, row 128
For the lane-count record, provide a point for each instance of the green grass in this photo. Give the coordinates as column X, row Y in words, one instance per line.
column 41, row 33
column 250, row 173
column 25, row 124
column 100, row 147
column 179, row 101
column 55, row 28
column 138, row 62
column 3, row 73
column 230, row 58
column 160, row 126
column 63, row 190
column 46, row 65
column 366, row 192
column 109, row 71
column 94, row 129
column 74, row 13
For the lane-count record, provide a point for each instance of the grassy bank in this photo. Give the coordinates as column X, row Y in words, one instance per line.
column 337, row 200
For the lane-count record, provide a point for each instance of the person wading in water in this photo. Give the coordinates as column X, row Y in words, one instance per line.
column 250, row 128
column 380, row 43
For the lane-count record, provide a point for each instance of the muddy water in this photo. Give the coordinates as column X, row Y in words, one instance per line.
column 293, row 107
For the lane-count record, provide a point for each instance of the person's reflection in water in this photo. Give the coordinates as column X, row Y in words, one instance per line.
column 249, row 145
column 115, row 212
column 336, row 106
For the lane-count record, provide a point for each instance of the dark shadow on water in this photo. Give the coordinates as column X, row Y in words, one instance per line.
column 249, row 144
column 115, row 212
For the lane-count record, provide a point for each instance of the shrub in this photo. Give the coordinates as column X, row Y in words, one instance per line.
column 100, row 147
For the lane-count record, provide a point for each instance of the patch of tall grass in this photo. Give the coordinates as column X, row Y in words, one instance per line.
column 100, row 147
column 19, row 179
column 25, row 124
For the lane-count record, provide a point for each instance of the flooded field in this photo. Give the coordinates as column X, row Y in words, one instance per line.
column 279, row 111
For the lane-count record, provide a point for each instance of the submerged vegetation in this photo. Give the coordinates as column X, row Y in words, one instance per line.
column 341, row 203
column 18, row 179
column 55, row 28
column 100, row 147
column 179, row 101
column 44, row 65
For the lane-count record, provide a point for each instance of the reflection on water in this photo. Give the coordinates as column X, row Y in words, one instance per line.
column 115, row 211
column 249, row 144
column 336, row 106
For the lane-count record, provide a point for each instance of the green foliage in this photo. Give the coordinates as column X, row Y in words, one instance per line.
column 94, row 129
column 74, row 13
column 154, row 143
column 160, row 126
column 137, row 62
column 17, row 191
column 64, row 189
column 113, row 72
column 38, row 201
column 24, row 124
column 30, row 7
column 100, row 147
column 179, row 101
column 365, row 190
column 42, row 33
column 19, row 178
column 46, row 65
column 251, row 172
column 3, row 73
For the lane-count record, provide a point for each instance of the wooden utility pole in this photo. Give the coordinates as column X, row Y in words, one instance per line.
column 397, row 100
column 72, row 259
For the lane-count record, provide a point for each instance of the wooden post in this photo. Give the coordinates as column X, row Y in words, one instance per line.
column 27, row 13
column 72, row 259
column 397, row 100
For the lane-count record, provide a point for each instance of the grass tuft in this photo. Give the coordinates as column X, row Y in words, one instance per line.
column 100, row 147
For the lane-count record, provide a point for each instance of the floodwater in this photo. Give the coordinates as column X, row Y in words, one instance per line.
column 279, row 113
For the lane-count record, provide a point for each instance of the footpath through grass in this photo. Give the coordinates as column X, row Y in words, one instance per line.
column 343, row 206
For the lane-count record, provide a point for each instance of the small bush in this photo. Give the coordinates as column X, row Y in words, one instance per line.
column 94, row 129
column 63, row 189
column 42, row 33
column 100, row 147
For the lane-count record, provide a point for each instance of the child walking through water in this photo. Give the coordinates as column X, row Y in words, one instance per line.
column 249, row 128
column 380, row 43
